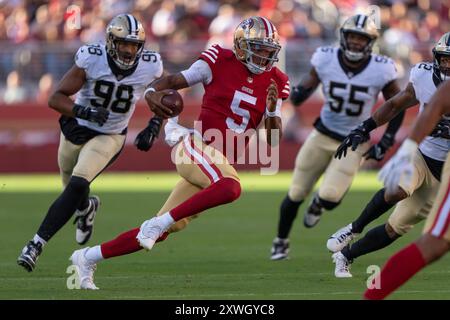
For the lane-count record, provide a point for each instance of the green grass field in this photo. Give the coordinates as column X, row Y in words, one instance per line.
column 222, row 255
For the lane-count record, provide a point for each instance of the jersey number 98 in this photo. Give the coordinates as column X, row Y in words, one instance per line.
column 123, row 96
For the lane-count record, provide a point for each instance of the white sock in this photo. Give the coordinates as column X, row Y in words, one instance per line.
column 94, row 254
column 166, row 219
column 37, row 239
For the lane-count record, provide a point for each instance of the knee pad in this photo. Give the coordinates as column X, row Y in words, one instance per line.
column 328, row 205
column 78, row 185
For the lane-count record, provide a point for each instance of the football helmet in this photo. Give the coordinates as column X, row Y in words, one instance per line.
column 363, row 25
column 124, row 27
column 256, row 44
column 442, row 48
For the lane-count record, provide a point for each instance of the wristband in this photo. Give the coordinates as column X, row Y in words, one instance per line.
column 149, row 89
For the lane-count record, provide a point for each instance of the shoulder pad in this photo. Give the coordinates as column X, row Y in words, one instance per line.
column 87, row 54
column 322, row 56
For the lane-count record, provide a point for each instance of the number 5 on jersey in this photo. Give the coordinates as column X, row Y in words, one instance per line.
column 245, row 114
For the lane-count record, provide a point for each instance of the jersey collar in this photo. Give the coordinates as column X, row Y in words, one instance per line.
column 351, row 72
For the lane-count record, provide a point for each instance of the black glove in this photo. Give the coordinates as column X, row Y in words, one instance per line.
column 98, row 115
column 144, row 140
column 357, row 136
column 377, row 151
column 442, row 129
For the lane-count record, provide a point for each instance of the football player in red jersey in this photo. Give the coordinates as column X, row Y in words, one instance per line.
column 242, row 88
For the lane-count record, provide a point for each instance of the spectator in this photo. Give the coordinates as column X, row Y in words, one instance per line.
column 14, row 92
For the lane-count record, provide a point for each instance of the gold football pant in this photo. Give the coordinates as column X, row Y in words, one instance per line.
column 199, row 165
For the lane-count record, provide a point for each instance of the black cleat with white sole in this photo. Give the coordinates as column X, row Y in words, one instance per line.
column 85, row 220
column 30, row 254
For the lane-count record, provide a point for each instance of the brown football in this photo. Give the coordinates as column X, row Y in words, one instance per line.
column 174, row 101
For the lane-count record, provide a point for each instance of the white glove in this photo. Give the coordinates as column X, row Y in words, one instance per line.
column 174, row 132
column 400, row 167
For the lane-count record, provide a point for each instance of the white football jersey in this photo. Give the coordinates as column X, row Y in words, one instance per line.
column 421, row 77
column 118, row 95
column 349, row 95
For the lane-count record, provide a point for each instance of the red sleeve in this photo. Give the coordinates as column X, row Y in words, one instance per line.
column 211, row 55
column 284, row 88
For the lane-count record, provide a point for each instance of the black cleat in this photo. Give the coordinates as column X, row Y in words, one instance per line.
column 85, row 220
column 30, row 254
column 280, row 249
column 313, row 213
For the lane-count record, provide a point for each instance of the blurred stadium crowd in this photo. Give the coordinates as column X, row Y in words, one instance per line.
column 37, row 44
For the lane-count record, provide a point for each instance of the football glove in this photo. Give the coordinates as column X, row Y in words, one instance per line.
column 99, row 115
column 378, row 151
column 357, row 136
column 400, row 167
column 442, row 129
column 144, row 140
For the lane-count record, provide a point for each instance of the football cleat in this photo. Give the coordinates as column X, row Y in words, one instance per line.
column 341, row 238
column 313, row 213
column 85, row 220
column 342, row 268
column 280, row 249
column 85, row 269
column 30, row 254
column 149, row 232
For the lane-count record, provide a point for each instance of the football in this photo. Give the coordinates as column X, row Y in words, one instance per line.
column 174, row 101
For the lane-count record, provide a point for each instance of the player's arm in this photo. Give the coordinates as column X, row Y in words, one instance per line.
column 431, row 115
column 70, row 84
column 305, row 88
column 391, row 107
column 401, row 166
column 198, row 72
column 273, row 115
column 387, row 111
column 378, row 151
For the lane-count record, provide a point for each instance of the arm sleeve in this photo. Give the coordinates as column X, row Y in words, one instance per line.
column 199, row 71
column 394, row 125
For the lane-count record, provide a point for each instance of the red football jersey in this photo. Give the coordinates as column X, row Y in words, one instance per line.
column 235, row 99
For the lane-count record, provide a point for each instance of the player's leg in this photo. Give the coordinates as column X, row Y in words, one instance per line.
column 97, row 154
column 206, row 168
column 125, row 243
column 92, row 158
column 310, row 163
column 337, row 180
column 432, row 245
column 407, row 213
column 380, row 203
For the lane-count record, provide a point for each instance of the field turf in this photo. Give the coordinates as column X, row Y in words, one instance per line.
column 222, row 255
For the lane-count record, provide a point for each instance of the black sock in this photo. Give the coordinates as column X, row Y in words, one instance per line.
column 288, row 212
column 375, row 208
column 376, row 239
column 84, row 202
column 63, row 208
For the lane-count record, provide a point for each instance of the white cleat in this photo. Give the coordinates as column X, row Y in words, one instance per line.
column 85, row 269
column 149, row 232
column 342, row 268
column 341, row 238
